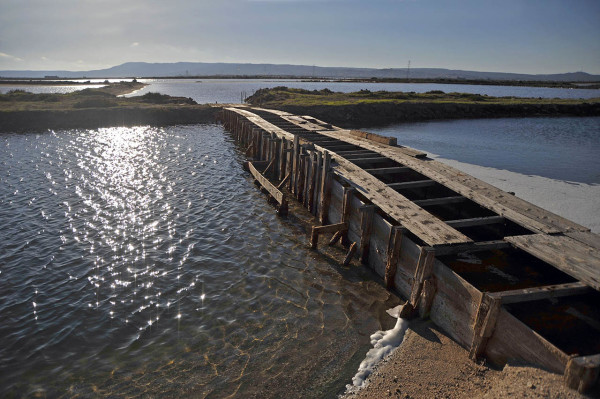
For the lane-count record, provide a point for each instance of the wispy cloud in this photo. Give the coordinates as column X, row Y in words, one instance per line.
column 10, row 57
column 134, row 44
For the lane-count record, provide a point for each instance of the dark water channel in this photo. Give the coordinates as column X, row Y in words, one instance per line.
column 143, row 261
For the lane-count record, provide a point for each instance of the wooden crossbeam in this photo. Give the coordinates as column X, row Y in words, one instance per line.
column 338, row 147
column 440, row 201
column 388, row 171
column 271, row 189
column 330, row 228
column 471, row 247
column 544, row 292
column 369, row 159
column 346, row 154
column 412, row 184
column 475, row 221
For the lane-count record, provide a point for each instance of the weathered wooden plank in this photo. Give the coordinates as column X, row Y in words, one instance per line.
column 271, row 189
column 484, row 325
column 440, row 201
column 473, row 247
column 368, row 160
column 586, row 237
column 388, row 171
column 366, row 227
column 427, row 227
column 374, row 137
column 318, row 230
column 350, row 254
column 572, row 257
column 582, row 372
column 395, row 243
column 482, row 221
column 412, row 184
column 513, row 340
column 545, row 292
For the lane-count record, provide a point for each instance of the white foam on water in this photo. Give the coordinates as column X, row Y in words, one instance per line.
column 384, row 343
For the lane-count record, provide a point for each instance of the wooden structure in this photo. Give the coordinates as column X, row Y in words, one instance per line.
column 504, row 278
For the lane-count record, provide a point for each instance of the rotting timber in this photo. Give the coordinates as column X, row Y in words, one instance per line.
column 503, row 277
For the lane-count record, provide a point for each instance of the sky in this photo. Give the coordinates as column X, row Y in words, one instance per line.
column 522, row 36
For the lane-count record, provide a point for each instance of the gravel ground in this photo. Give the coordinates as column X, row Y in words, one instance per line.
column 428, row 364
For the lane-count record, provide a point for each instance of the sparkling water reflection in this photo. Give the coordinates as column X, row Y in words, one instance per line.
column 144, row 261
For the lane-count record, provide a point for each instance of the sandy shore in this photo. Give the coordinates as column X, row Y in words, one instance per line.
column 428, row 364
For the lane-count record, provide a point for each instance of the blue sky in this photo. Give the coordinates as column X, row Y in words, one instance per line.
column 547, row 36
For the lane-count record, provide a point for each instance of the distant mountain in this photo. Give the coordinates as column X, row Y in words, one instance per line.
column 183, row 69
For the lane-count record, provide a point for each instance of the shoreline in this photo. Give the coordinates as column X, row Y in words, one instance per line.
column 21, row 111
column 429, row 364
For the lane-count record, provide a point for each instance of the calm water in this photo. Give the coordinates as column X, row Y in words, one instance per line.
column 47, row 89
column 558, row 148
column 230, row 90
column 144, row 261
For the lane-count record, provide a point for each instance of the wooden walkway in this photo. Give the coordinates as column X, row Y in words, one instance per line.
column 414, row 220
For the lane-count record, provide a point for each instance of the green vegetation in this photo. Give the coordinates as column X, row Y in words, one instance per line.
column 102, row 107
column 104, row 97
column 366, row 108
column 283, row 96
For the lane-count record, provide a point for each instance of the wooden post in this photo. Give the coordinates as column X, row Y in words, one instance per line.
column 348, row 193
column 393, row 253
column 301, row 173
column 366, row 224
column 427, row 294
column 318, row 175
column 325, row 188
column 350, row 254
column 311, row 185
column 282, row 155
column 582, row 372
column 485, row 323
column 422, row 272
column 295, row 161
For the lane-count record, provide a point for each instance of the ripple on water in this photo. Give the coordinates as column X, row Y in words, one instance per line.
column 144, row 261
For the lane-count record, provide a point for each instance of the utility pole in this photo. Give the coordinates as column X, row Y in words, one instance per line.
column 408, row 70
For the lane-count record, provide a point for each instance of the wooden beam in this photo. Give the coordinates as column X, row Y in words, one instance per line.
column 582, row 372
column 350, row 254
column 422, row 272
column 388, row 171
column 318, row 230
column 271, row 189
column 325, row 188
column 346, row 154
column 544, row 292
column 475, row 221
column 338, row 147
column 485, row 323
column 366, row 227
column 472, row 247
column 440, row 201
column 393, row 254
column 369, row 160
column 412, row 184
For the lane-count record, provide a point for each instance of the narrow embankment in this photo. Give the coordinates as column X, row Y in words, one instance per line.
column 380, row 114
column 366, row 108
column 90, row 118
